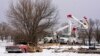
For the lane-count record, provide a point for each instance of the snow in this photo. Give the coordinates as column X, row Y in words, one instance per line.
column 46, row 52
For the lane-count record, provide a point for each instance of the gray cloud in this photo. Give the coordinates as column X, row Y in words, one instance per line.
column 80, row 8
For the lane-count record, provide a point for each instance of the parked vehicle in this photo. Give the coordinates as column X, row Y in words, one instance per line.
column 13, row 49
column 22, row 48
column 63, row 40
column 17, row 49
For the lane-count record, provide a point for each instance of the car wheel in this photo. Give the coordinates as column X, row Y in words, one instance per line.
column 24, row 50
column 37, row 51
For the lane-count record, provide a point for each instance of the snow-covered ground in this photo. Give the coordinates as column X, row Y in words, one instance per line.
column 46, row 52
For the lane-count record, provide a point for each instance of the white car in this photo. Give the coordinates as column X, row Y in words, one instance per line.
column 63, row 40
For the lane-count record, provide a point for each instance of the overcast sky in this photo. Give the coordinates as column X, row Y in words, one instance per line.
column 79, row 8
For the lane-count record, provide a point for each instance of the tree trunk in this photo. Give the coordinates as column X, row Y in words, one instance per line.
column 89, row 41
column 33, row 39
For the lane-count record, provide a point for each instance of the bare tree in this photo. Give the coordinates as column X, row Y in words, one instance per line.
column 5, row 30
column 32, row 17
column 82, row 35
column 97, row 30
column 90, row 31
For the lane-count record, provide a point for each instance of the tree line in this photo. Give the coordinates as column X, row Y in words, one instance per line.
column 92, row 32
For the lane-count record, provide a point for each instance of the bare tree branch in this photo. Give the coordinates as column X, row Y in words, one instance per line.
column 26, row 17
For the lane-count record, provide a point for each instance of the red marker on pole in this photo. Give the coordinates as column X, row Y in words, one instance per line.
column 69, row 16
column 74, row 29
column 85, row 17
